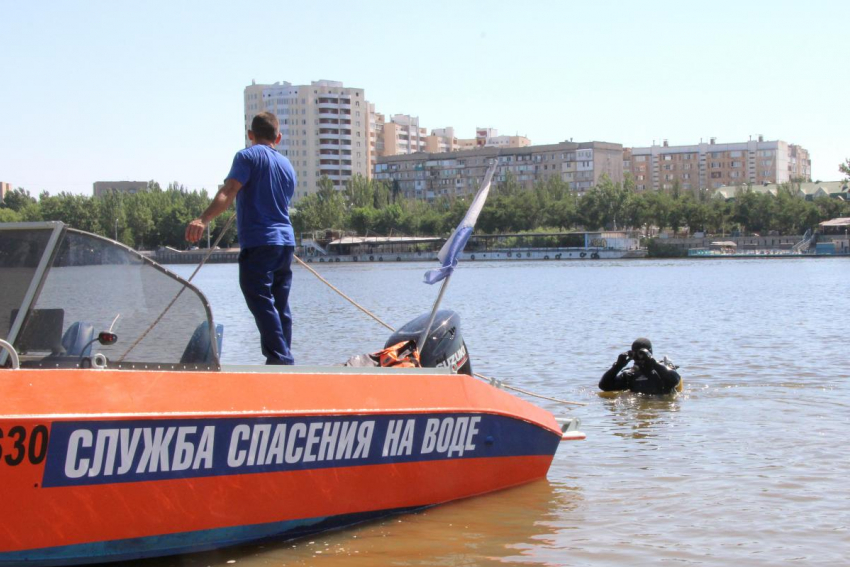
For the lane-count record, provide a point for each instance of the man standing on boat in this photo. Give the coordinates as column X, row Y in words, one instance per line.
column 262, row 182
column 646, row 376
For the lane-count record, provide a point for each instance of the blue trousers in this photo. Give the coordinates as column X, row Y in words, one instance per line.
column 265, row 276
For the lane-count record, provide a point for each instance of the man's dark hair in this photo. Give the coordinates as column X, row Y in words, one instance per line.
column 265, row 126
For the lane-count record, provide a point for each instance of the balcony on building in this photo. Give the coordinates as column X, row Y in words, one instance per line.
column 328, row 113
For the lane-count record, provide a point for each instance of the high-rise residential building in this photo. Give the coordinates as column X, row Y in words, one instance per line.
column 441, row 140
column 376, row 140
column 712, row 165
column 483, row 135
column 4, row 188
column 489, row 138
column 508, row 142
column 403, row 134
column 432, row 175
column 325, row 128
column 101, row 188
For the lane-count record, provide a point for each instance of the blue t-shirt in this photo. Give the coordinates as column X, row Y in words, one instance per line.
column 262, row 205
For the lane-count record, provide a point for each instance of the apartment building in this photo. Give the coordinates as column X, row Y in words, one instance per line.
column 325, row 128
column 376, row 141
column 713, row 165
column 4, row 188
column 432, row 175
column 100, row 188
column 489, row 138
column 508, row 142
column 403, row 135
column 442, row 140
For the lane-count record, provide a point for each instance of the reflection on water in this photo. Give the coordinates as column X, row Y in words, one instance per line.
column 638, row 416
column 748, row 466
column 508, row 526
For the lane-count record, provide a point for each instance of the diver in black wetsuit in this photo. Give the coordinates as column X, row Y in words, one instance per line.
column 647, row 376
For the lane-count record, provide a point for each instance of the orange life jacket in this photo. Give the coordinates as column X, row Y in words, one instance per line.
column 400, row 355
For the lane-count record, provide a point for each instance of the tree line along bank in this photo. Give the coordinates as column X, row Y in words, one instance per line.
column 158, row 217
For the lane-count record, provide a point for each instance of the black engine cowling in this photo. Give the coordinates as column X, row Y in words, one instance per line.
column 444, row 345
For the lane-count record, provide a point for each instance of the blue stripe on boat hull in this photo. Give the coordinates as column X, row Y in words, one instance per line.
column 189, row 542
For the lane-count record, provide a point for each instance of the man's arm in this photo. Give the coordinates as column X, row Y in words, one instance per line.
column 220, row 203
column 613, row 380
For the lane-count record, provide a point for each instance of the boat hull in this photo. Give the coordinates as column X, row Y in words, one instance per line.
column 111, row 465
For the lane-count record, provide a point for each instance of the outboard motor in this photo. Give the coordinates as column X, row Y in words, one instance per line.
column 444, row 345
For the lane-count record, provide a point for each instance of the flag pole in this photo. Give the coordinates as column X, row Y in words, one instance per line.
column 420, row 344
column 453, row 247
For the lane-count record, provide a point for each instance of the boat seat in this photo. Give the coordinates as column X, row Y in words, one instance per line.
column 77, row 340
column 199, row 350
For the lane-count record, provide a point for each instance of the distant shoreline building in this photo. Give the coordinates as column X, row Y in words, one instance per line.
column 712, row 165
column 101, row 188
column 324, row 128
column 4, row 188
column 401, row 135
column 404, row 135
column 429, row 176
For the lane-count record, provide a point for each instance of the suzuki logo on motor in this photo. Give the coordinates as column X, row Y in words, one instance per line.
column 456, row 360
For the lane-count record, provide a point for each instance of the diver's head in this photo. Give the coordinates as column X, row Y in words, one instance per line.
column 638, row 346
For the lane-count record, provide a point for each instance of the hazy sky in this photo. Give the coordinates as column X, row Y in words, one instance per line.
column 115, row 90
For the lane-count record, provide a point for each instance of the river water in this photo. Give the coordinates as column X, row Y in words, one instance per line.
column 748, row 466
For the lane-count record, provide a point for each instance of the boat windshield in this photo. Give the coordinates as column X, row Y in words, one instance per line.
column 62, row 287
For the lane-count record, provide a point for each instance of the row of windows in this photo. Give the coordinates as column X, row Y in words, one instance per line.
column 713, row 155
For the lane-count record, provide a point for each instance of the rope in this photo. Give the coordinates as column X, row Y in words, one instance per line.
column 182, row 288
column 492, row 381
column 330, row 285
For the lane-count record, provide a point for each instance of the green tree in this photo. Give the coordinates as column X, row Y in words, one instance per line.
column 17, row 199
column 604, row 205
column 359, row 192
column 658, row 207
column 361, row 219
column 139, row 218
column 230, row 237
column 9, row 215
column 320, row 210
column 389, row 219
column 111, row 213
